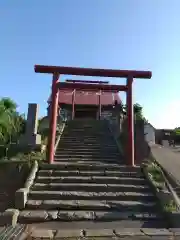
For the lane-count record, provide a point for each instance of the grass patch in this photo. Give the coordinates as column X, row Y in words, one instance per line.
column 157, row 177
column 156, row 173
column 170, row 207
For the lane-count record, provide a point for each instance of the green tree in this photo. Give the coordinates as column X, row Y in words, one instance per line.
column 11, row 122
column 138, row 112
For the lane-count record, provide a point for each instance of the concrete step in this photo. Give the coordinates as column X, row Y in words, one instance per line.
column 76, row 173
column 88, row 155
column 97, row 144
column 74, row 153
column 41, row 216
column 85, row 137
column 92, row 179
column 89, row 132
column 102, row 167
column 92, row 205
column 91, row 187
column 80, row 195
column 89, row 151
column 77, row 135
column 87, row 141
column 88, row 144
column 88, row 160
column 85, row 147
column 127, row 229
column 89, row 148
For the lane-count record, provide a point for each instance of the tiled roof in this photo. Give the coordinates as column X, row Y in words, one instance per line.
column 88, row 97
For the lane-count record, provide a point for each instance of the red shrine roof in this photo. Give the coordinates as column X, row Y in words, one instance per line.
column 87, row 97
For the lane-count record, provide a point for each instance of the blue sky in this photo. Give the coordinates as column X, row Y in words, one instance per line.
column 119, row 34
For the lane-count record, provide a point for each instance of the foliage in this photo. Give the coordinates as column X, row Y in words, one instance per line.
column 12, row 124
column 177, row 131
column 138, row 112
column 31, row 156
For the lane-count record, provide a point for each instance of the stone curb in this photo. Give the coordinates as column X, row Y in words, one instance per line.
column 104, row 233
column 22, row 193
column 3, row 161
column 168, row 179
column 164, row 196
column 9, row 217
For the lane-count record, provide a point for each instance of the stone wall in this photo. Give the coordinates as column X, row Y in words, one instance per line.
column 13, row 175
column 149, row 132
column 141, row 147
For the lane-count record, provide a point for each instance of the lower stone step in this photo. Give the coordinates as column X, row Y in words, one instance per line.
column 92, row 205
column 41, row 216
column 75, row 173
column 90, row 187
column 89, row 179
column 72, row 195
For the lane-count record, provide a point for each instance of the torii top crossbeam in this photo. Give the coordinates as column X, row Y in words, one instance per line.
column 92, row 72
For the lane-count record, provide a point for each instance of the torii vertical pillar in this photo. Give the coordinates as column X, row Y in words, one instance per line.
column 53, row 118
column 130, row 123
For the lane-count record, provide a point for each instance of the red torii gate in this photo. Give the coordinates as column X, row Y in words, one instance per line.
column 56, row 85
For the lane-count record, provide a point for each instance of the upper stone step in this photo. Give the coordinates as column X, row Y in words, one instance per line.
column 75, row 173
column 87, row 155
column 85, row 146
column 89, row 179
column 87, row 160
column 91, row 187
column 88, row 148
column 90, row 135
column 69, row 166
column 87, row 141
column 87, row 151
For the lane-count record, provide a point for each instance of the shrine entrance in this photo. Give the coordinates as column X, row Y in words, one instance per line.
column 85, row 113
column 56, row 86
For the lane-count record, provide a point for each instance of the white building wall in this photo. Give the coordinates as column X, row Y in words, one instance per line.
column 149, row 132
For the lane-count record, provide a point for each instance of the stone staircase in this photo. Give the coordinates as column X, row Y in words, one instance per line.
column 90, row 182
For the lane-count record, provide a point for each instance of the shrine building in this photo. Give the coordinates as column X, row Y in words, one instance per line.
column 82, row 103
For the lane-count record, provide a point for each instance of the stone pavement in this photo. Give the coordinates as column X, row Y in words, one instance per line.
column 102, row 234
column 169, row 159
column 19, row 232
